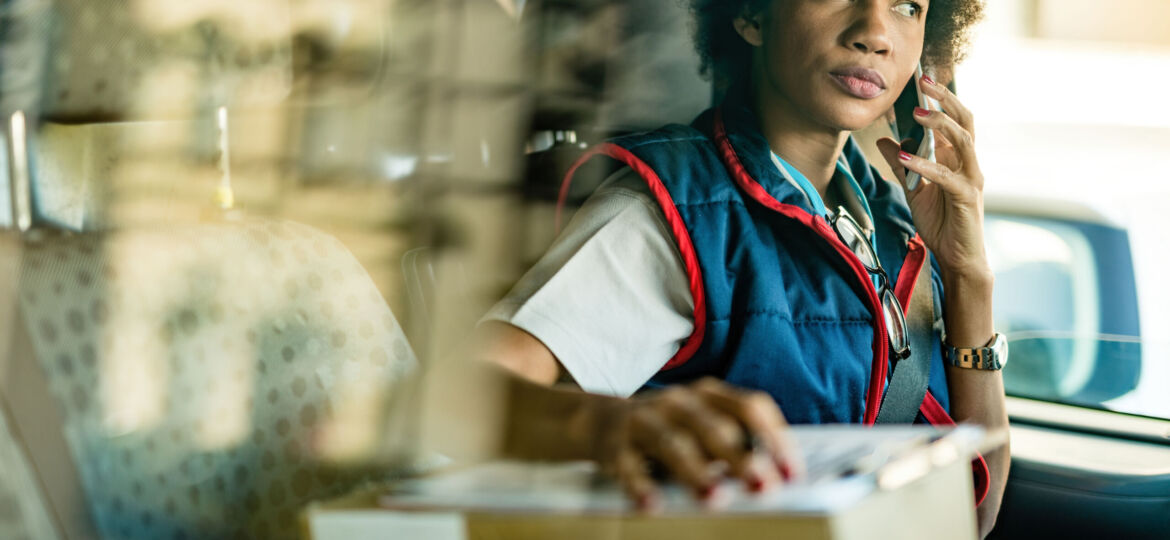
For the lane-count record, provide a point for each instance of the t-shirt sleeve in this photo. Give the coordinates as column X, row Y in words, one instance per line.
column 610, row 298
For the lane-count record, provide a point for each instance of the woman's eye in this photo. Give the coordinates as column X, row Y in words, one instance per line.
column 909, row 9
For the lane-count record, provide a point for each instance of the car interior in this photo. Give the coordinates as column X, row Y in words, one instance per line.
column 240, row 242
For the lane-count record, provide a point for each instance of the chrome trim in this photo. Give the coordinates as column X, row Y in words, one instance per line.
column 19, row 184
column 1097, row 421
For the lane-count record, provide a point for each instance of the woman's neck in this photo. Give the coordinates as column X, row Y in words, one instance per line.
column 810, row 147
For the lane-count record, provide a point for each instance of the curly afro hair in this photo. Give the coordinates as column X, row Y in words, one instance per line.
column 725, row 55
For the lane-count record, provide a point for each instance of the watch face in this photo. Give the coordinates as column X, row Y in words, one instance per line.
column 1001, row 349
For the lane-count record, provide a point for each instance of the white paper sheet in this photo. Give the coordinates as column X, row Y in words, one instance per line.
column 841, row 461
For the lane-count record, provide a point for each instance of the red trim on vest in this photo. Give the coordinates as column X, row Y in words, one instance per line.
column 937, row 416
column 877, row 375
column 677, row 228
column 908, row 276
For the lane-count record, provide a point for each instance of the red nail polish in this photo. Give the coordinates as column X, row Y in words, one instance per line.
column 645, row 502
column 707, row 492
column 755, row 484
column 926, row 79
column 919, row 111
column 785, row 472
column 904, row 156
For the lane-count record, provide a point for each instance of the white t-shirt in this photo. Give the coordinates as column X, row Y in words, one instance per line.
column 610, row 298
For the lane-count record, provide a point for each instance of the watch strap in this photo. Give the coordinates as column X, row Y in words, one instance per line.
column 985, row 358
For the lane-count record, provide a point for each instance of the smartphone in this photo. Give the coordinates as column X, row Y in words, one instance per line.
column 906, row 127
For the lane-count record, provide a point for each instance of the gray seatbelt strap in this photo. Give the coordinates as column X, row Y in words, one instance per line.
column 910, row 376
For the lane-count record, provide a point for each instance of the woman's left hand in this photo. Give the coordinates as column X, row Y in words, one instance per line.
column 947, row 210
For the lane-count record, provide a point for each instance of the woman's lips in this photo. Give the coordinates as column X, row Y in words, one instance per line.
column 860, row 82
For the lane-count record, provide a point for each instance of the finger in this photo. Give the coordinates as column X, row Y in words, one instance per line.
column 762, row 415
column 759, row 413
column 720, row 435
column 674, row 448
column 635, row 480
column 946, row 127
column 948, row 180
column 889, row 149
column 950, row 103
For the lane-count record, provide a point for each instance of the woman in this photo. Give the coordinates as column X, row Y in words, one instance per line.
column 716, row 254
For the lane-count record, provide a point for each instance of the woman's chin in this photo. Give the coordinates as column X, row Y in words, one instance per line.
column 853, row 118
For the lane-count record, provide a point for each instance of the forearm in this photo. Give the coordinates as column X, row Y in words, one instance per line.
column 554, row 422
column 544, row 422
column 977, row 396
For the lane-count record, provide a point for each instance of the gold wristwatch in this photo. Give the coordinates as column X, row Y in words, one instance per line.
column 991, row 357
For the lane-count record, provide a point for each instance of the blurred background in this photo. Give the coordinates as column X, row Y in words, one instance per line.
column 1071, row 129
column 245, row 241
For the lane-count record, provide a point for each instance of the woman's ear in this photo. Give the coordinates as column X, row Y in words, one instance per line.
column 750, row 29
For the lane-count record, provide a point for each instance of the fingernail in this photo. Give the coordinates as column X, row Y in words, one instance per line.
column 919, row 111
column 904, row 156
column 755, row 484
column 785, row 472
column 645, row 502
column 707, row 492
column 926, row 79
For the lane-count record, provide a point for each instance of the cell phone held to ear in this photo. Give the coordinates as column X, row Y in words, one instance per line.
column 906, row 128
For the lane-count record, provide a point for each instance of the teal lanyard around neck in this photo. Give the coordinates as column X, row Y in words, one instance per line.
column 844, row 170
column 810, row 193
column 814, row 198
column 790, row 173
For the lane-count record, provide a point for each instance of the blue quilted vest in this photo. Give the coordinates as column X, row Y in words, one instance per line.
column 781, row 305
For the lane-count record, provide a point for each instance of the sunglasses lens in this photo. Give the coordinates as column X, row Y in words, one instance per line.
column 895, row 321
column 855, row 239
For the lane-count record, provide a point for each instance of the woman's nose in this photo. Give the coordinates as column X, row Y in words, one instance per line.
column 870, row 31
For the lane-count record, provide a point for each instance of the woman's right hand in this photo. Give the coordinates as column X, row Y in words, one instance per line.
column 688, row 430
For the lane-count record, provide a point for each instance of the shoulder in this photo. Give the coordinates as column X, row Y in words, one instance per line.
column 624, row 194
column 696, row 133
column 669, row 134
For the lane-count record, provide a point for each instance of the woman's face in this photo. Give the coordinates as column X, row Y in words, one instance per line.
column 839, row 63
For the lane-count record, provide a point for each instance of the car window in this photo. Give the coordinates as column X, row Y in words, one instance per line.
column 1065, row 295
column 1073, row 196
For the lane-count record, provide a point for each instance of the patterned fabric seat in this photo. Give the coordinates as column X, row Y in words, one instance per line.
column 199, row 369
